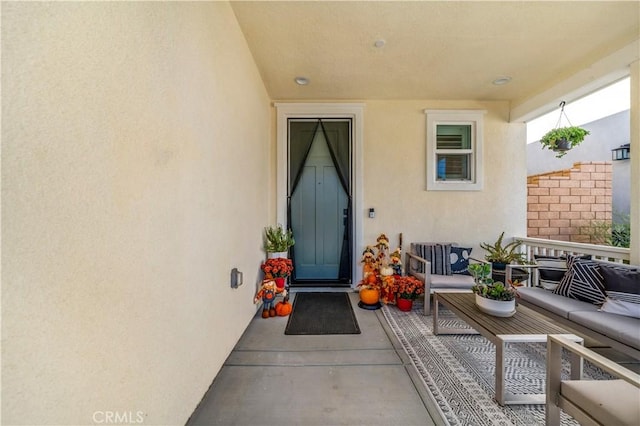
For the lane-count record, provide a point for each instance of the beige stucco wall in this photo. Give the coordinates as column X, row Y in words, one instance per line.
column 135, row 170
column 395, row 178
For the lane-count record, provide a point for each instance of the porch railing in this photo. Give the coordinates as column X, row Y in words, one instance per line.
column 541, row 246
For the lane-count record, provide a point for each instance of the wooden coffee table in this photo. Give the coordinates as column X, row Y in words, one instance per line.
column 525, row 326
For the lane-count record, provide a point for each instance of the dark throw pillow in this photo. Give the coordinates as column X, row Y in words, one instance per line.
column 622, row 287
column 460, row 260
column 551, row 270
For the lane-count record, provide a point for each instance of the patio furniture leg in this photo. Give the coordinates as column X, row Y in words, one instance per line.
column 500, row 349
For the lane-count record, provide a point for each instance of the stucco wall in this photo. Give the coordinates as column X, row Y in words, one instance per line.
column 135, row 170
column 395, row 178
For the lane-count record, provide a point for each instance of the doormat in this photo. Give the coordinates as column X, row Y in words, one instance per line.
column 459, row 370
column 316, row 313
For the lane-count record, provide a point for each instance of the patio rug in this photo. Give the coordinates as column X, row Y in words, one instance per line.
column 322, row 313
column 459, row 370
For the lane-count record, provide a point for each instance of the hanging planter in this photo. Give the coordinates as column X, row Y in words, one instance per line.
column 561, row 139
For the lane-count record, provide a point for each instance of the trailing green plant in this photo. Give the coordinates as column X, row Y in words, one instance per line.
column 486, row 287
column 277, row 239
column 573, row 134
column 497, row 253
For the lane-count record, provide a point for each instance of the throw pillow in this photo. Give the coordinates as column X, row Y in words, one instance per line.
column 439, row 255
column 551, row 270
column 565, row 282
column 587, row 283
column 622, row 287
column 460, row 260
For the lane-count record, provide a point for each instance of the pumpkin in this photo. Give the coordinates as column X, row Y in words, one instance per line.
column 369, row 296
column 283, row 308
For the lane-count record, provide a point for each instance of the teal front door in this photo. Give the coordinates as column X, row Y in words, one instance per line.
column 318, row 205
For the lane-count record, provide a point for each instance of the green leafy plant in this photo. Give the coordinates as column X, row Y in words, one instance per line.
column 277, row 239
column 497, row 253
column 486, row 287
column 573, row 134
column 616, row 233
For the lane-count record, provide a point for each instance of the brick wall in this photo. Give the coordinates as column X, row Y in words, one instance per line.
column 561, row 204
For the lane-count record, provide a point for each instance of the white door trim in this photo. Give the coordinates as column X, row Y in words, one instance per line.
column 354, row 111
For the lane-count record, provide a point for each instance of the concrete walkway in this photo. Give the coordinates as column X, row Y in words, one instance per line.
column 354, row 379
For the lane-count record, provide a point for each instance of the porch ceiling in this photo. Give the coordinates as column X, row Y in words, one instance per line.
column 447, row 50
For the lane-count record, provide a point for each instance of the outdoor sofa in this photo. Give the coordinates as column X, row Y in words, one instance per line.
column 597, row 299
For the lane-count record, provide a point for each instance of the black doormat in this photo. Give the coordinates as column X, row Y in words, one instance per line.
column 322, row 313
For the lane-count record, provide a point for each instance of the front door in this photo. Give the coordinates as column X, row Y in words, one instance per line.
column 319, row 201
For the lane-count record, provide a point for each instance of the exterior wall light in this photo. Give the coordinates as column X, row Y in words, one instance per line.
column 621, row 152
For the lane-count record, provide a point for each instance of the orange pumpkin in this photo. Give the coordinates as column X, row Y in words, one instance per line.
column 283, row 308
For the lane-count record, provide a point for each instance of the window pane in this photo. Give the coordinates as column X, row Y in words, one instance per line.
column 454, row 167
column 453, row 136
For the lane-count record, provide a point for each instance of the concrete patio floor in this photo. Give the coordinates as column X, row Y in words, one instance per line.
column 356, row 379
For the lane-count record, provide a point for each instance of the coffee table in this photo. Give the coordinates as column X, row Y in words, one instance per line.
column 525, row 326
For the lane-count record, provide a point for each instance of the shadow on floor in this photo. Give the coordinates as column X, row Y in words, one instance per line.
column 355, row 379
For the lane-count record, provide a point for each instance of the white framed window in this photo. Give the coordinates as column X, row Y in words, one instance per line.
column 454, row 150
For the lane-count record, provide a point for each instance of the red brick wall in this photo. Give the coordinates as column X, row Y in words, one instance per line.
column 561, row 203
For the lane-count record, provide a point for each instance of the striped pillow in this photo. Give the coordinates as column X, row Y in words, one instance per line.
column 439, row 255
column 565, row 282
column 587, row 283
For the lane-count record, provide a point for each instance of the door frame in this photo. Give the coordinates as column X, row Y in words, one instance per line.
column 353, row 111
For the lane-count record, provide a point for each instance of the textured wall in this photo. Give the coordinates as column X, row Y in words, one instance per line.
column 564, row 204
column 395, row 178
column 135, row 170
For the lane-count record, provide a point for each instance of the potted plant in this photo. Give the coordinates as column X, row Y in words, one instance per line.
column 407, row 289
column 562, row 139
column 492, row 297
column 502, row 255
column 277, row 241
column 277, row 269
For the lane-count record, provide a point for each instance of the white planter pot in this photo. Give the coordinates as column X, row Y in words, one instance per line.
column 498, row 308
column 277, row 255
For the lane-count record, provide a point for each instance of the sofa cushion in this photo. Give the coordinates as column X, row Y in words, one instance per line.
column 460, row 260
column 610, row 402
column 448, row 282
column 551, row 270
column 618, row 327
column 582, row 281
column 555, row 303
column 438, row 254
column 621, row 307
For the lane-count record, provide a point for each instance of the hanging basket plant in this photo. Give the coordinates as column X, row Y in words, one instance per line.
column 562, row 139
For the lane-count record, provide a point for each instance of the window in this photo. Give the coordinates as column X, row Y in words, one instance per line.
column 454, row 150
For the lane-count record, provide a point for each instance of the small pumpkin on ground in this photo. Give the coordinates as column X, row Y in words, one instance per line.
column 283, row 308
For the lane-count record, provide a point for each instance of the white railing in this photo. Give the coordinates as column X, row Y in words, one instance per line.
column 541, row 246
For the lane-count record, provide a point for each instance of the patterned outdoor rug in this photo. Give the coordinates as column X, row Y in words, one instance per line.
column 459, row 370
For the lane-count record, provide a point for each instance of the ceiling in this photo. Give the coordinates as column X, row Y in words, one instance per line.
column 433, row 49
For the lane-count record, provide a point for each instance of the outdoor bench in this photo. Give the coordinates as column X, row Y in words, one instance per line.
column 620, row 332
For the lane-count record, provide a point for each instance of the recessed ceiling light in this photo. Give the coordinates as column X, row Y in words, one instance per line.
column 501, row 80
column 302, row 81
column 379, row 43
